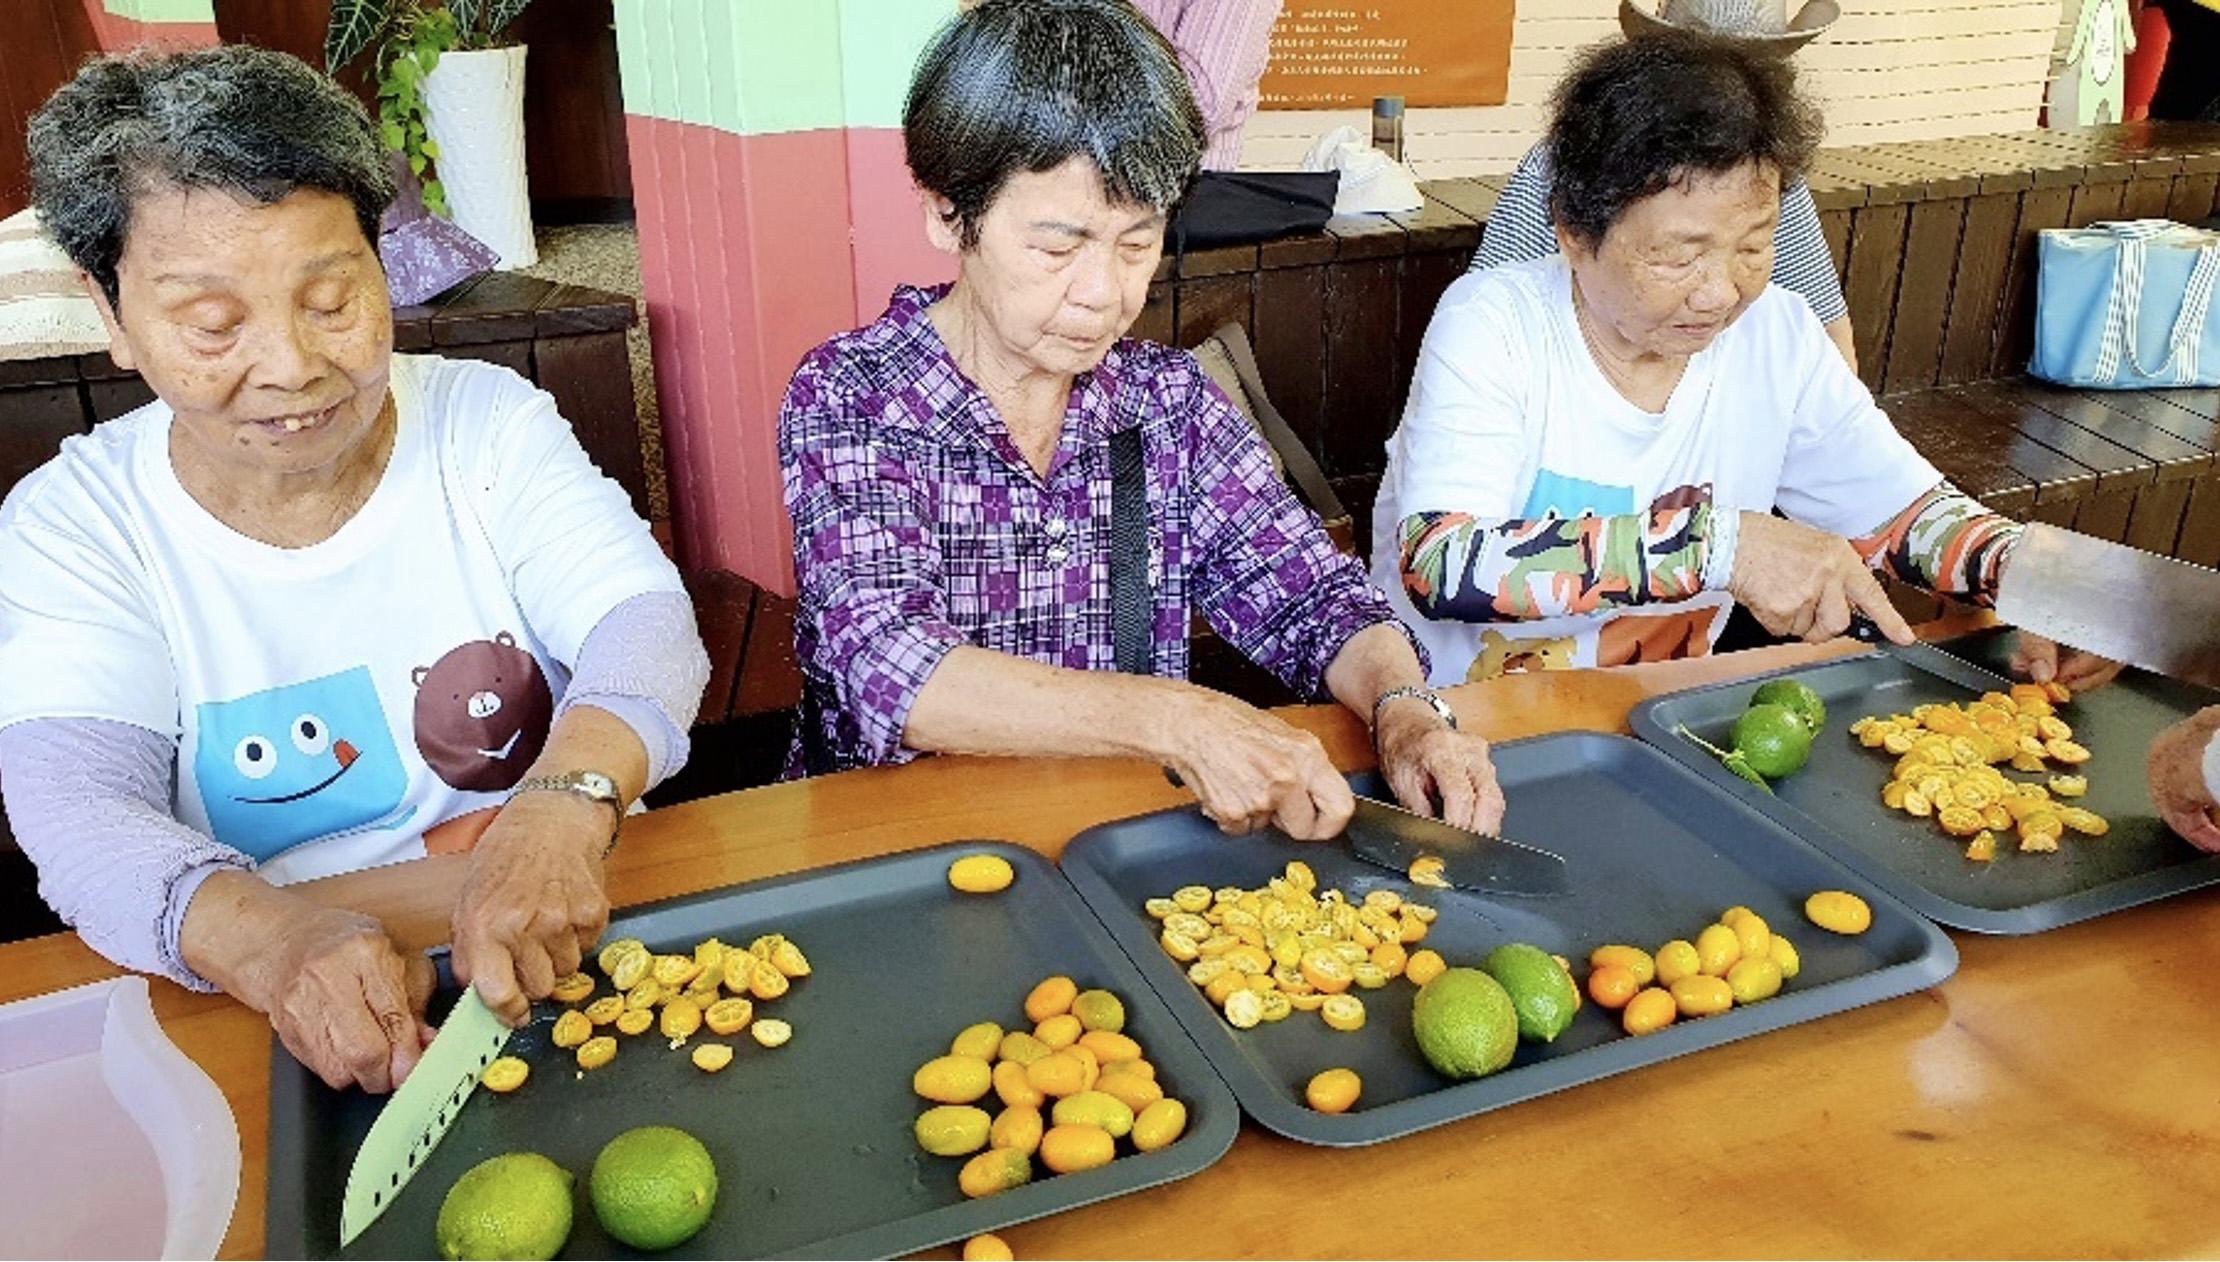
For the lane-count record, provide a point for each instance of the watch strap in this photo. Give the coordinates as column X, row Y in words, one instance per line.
column 1416, row 693
column 594, row 786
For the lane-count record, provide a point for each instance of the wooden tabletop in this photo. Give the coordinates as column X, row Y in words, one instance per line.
column 2054, row 1098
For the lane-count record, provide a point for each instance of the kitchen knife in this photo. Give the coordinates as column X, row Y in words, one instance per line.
column 412, row 1122
column 2115, row 601
column 1393, row 838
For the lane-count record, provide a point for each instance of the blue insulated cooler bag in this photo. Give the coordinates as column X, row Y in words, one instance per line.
column 2127, row 305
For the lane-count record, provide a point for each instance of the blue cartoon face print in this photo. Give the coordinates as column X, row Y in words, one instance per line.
column 291, row 764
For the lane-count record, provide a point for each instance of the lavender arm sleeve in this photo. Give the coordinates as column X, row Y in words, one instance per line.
column 644, row 662
column 89, row 800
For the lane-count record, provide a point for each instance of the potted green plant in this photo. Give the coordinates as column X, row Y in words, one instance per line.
column 451, row 97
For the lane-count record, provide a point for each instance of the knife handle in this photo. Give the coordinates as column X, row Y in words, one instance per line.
column 1865, row 629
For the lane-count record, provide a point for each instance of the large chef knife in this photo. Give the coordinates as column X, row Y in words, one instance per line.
column 1395, row 839
column 2118, row 602
column 412, row 1122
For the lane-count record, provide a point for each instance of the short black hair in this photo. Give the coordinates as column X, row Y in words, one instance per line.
column 1635, row 117
column 1028, row 85
column 252, row 122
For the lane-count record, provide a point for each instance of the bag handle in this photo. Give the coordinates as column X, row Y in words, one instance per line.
column 2183, row 342
column 1130, row 601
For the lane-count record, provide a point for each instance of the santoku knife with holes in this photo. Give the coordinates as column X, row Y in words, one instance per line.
column 413, row 1121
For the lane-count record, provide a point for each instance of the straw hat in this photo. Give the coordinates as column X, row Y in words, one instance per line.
column 1764, row 24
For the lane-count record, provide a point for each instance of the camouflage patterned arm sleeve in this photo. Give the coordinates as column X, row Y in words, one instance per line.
column 1455, row 568
column 1946, row 542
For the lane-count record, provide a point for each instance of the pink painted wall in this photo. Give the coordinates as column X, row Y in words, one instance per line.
column 754, row 249
column 746, row 259
column 888, row 221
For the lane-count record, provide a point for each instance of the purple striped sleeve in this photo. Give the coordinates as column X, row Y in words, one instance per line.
column 867, row 558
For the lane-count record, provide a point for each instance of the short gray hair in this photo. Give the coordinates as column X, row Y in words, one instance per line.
column 1028, row 85
column 244, row 120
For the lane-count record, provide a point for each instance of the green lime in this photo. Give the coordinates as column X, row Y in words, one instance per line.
column 1797, row 696
column 517, row 1205
column 1772, row 740
column 653, row 1187
column 1541, row 990
column 1465, row 1023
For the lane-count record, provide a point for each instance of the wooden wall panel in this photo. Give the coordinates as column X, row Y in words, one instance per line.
column 1923, row 294
column 1290, row 345
column 2193, row 196
column 1876, row 258
column 41, row 42
column 1368, row 383
column 1985, row 257
column 1206, row 305
column 574, row 136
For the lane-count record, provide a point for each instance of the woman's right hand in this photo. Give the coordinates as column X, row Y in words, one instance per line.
column 342, row 999
column 1249, row 769
column 345, row 1002
column 1807, row 583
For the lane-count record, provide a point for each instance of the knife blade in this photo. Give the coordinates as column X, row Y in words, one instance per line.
column 419, row 1113
column 2115, row 601
column 1393, row 838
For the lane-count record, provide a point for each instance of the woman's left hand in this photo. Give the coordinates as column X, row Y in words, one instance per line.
column 1425, row 759
column 2047, row 660
column 534, row 902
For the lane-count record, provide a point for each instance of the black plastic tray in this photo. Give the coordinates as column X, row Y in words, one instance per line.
column 813, row 1141
column 1654, row 854
column 1835, row 801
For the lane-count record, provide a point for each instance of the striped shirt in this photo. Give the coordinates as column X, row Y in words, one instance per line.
column 919, row 526
column 1520, row 229
column 1224, row 46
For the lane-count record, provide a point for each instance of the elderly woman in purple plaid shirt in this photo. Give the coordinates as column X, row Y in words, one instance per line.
column 949, row 468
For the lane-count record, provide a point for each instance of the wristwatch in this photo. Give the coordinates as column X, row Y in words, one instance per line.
column 1416, row 693
column 591, row 785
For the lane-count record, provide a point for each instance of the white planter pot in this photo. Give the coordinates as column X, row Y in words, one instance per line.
column 474, row 110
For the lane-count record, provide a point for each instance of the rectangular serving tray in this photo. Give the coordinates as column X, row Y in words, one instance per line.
column 813, row 1141
column 1654, row 853
column 1835, row 801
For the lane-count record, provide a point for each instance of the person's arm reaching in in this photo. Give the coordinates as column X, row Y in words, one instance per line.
column 2184, row 775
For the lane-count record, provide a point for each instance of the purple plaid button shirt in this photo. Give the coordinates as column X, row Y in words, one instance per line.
column 918, row 526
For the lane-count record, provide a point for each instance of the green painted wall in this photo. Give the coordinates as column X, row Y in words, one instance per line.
column 757, row 67
column 163, row 10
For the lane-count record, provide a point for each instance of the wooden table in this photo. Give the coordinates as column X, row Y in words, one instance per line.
column 2054, row 1098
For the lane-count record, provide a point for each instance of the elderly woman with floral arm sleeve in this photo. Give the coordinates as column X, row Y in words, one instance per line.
column 1596, row 441
column 949, row 468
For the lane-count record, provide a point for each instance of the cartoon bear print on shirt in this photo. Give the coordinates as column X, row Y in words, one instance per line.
column 294, row 763
column 482, row 714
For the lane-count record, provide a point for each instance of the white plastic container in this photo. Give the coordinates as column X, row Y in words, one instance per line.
column 112, row 1143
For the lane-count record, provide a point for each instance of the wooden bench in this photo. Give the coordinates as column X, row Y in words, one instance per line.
column 1936, row 246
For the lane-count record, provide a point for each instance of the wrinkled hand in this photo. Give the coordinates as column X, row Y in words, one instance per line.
column 2177, row 779
column 345, row 1003
column 1249, row 769
column 1426, row 760
column 1807, row 583
column 2045, row 660
column 534, row 902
